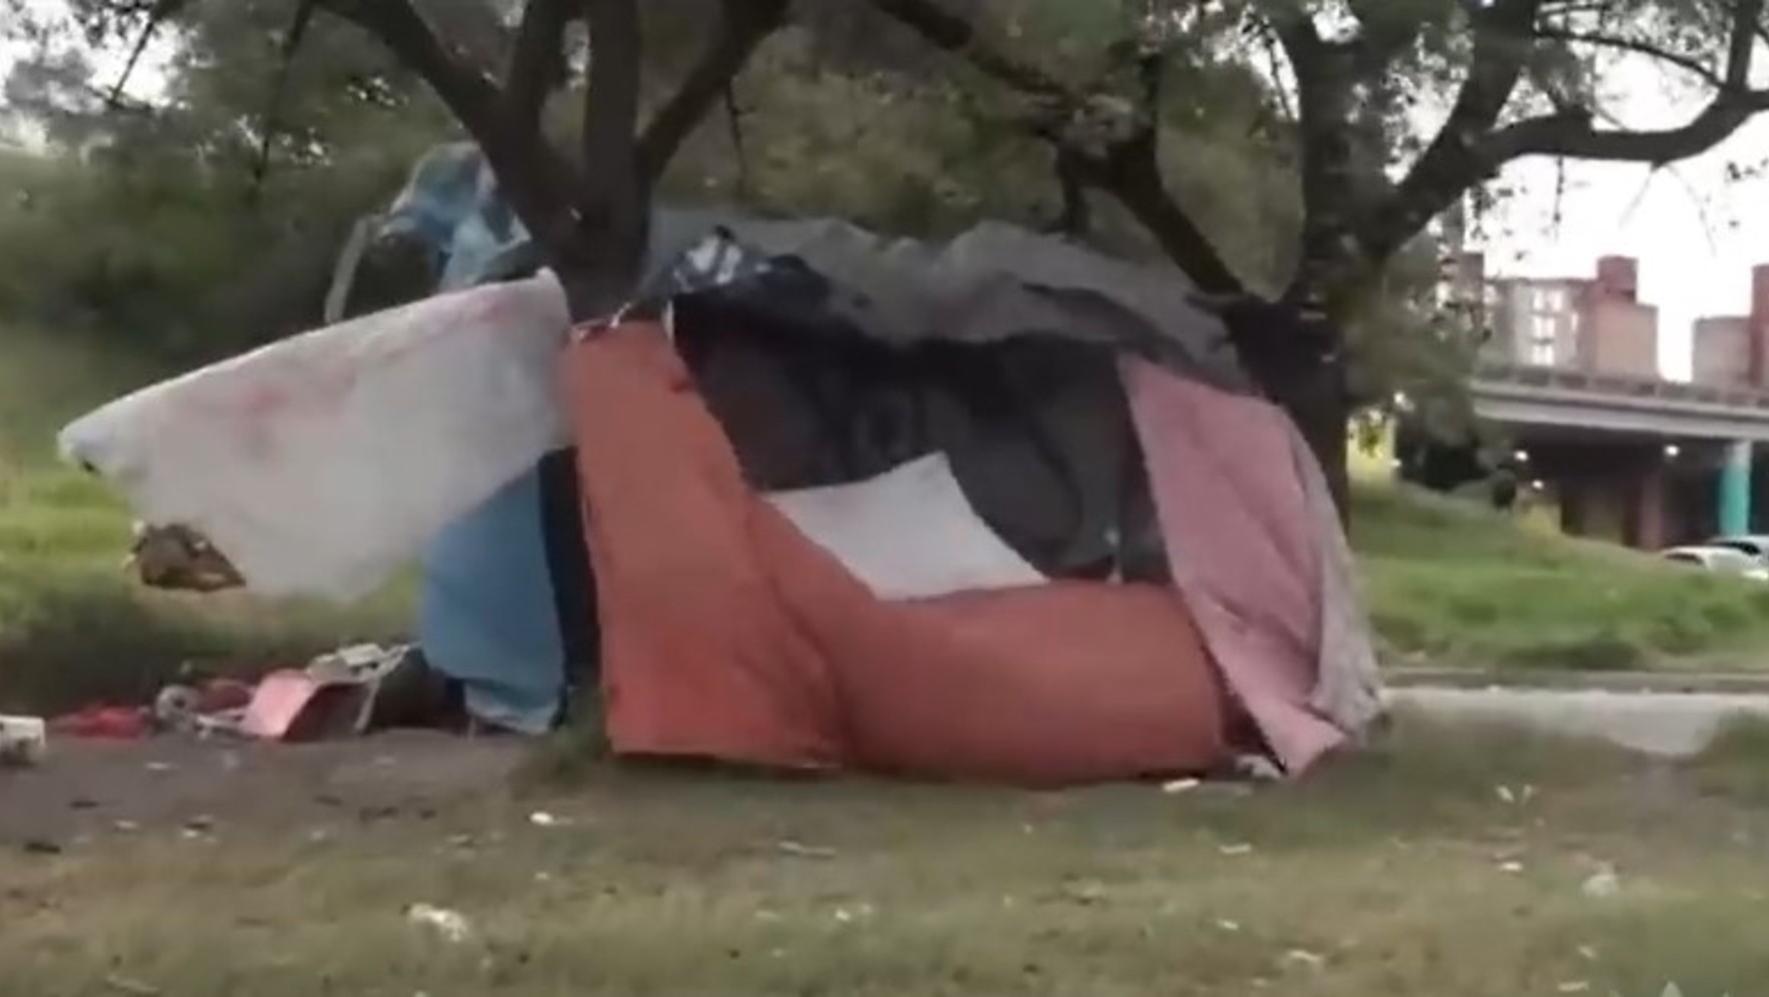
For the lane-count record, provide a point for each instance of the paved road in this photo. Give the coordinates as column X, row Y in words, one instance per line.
column 1674, row 725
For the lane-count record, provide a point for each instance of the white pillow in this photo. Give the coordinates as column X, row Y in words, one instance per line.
column 909, row 533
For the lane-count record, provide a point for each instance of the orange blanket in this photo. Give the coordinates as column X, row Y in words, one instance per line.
column 727, row 634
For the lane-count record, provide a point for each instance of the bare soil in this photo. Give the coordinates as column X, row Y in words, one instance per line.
column 89, row 787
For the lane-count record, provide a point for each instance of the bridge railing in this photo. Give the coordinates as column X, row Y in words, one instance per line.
column 1619, row 384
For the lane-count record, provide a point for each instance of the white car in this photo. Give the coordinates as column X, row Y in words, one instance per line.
column 1720, row 560
column 1754, row 544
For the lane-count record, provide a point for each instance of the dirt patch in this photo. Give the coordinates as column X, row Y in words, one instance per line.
column 87, row 788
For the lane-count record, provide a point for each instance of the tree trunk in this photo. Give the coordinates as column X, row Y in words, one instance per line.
column 1322, row 412
column 1298, row 359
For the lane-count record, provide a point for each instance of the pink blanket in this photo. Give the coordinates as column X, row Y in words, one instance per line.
column 1244, row 544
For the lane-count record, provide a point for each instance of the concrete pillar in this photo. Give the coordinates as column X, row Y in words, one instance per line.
column 1735, row 489
column 1758, row 324
column 1649, row 509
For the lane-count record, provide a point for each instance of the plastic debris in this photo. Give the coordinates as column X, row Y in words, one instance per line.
column 1505, row 794
column 178, row 557
column 541, row 818
column 1511, row 867
column 1178, row 786
column 1227, row 925
column 451, row 925
column 1237, row 849
column 24, row 741
column 1574, row 987
column 803, row 851
column 124, row 984
column 1303, row 957
column 1602, row 885
column 103, row 722
column 1257, row 768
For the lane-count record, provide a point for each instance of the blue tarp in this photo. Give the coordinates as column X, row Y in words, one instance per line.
column 487, row 615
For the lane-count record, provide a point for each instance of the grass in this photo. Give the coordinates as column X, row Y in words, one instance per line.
column 1452, row 583
column 73, row 627
column 1397, row 870
column 1389, row 873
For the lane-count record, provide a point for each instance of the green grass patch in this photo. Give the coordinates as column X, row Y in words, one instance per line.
column 1735, row 765
column 73, row 626
column 1396, row 872
column 1452, row 583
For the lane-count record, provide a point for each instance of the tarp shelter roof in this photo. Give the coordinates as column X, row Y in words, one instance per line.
column 993, row 281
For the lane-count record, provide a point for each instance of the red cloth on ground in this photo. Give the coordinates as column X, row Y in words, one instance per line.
column 727, row 634
column 100, row 722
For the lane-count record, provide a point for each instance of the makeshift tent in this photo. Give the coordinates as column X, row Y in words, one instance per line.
column 1113, row 561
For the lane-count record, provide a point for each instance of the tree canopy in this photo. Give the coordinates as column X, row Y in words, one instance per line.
column 1289, row 156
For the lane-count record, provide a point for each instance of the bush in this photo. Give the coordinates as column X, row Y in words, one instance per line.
column 174, row 260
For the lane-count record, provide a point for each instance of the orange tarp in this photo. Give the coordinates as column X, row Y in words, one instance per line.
column 727, row 634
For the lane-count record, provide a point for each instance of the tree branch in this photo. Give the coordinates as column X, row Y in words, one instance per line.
column 1324, row 78
column 156, row 15
column 1381, row 35
column 612, row 209
column 1691, row 65
column 1128, row 168
column 1131, row 171
column 470, row 95
column 1074, row 219
column 1575, row 136
column 1454, row 160
column 538, row 182
column 291, row 44
column 954, row 34
column 537, row 61
column 742, row 26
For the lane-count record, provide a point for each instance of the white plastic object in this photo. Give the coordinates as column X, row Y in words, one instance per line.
column 908, row 533
column 322, row 463
column 24, row 741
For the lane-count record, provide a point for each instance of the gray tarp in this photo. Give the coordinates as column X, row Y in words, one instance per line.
column 993, row 281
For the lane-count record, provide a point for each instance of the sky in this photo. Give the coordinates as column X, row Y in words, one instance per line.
column 1695, row 234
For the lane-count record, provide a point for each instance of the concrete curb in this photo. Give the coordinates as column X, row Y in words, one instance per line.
column 1663, row 724
column 1519, row 678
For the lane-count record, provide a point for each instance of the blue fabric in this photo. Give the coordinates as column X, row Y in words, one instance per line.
column 486, row 616
column 487, row 619
column 452, row 204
